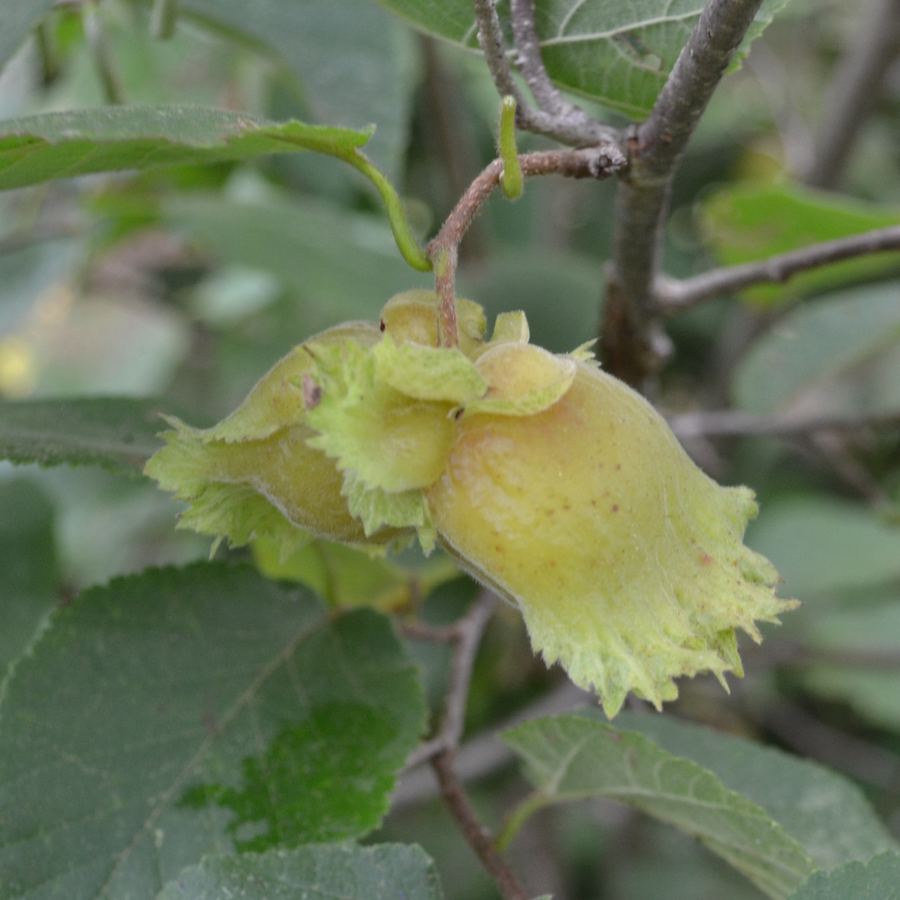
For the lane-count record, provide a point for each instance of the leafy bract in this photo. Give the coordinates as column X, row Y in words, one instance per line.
column 749, row 222
column 578, row 756
column 876, row 880
column 323, row 871
column 28, row 570
column 180, row 712
column 838, row 356
column 619, row 54
column 355, row 65
column 116, row 433
column 63, row 144
column 824, row 811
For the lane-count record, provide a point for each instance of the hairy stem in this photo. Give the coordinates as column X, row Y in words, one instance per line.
column 589, row 162
column 678, row 295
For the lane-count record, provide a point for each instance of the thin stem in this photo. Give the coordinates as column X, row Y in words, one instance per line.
column 630, row 341
column 589, row 162
column 674, row 296
column 163, row 19
column 98, row 42
column 406, row 242
column 460, row 807
column 572, row 126
column 467, row 635
column 854, row 90
column 732, row 423
column 516, row 819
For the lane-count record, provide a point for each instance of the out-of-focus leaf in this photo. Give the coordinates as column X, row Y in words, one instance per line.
column 825, row 546
column 63, row 144
column 16, row 21
column 28, row 571
column 28, row 272
column 172, row 713
column 355, row 65
column 619, row 54
column 876, row 880
column 872, row 692
column 827, row 814
column 323, row 871
column 540, row 284
column 837, row 356
column 751, row 222
column 114, row 432
column 577, row 756
column 339, row 265
column 345, row 576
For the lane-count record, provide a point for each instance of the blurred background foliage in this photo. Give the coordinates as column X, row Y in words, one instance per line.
column 189, row 282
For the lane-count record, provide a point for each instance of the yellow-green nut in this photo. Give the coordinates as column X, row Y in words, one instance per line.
column 254, row 475
column 626, row 560
column 546, row 478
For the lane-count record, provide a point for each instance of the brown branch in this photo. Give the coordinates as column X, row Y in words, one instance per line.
column 674, row 296
column 631, row 344
column 467, row 635
column 478, row 839
column 441, row 750
column 565, row 122
column 854, row 90
column 588, row 162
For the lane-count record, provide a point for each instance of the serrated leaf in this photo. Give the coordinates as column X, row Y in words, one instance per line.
column 325, row 871
column 576, row 756
column 16, row 21
column 837, row 356
column 116, row 433
column 749, row 222
column 825, row 812
column 618, row 54
column 355, row 65
column 149, row 699
column 64, row 144
column 876, row 880
column 28, row 570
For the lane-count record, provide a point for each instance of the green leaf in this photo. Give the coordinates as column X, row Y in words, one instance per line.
column 64, row 144
column 116, row 433
column 28, row 573
column 326, row 872
column 750, row 222
column 337, row 265
column 823, row 546
column 873, row 693
column 825, row 812
column 149, row 700
column 618, row 54
column 573, row 757
column 838, row 356
column 355, row 65
column 876, row 880
column 16, row 21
